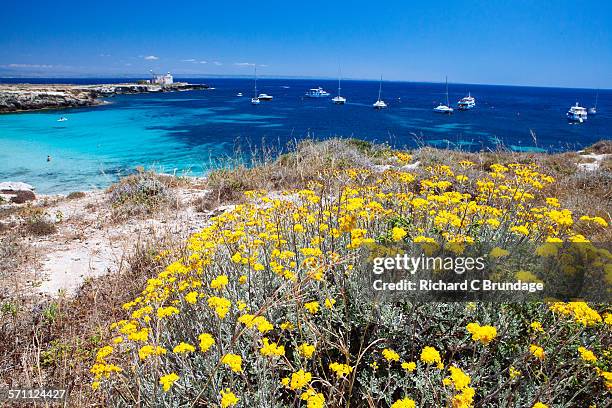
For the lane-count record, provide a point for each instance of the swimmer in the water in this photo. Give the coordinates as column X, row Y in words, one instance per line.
column 48, row 158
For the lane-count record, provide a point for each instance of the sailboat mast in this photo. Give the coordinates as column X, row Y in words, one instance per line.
column 379, row 87
column 339, row 76
column 447, row 104
column 255, row 81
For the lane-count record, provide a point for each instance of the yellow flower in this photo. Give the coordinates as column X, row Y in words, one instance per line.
column 148, row 350
column 430, row 355
column 312, row 307
column 484, row 334
column 95, row 385
column 587, row 355
column 220, row 304
column 219, row 282
column 537, row 326
column 191, row 297
column 539, row 405
column 233, row 361
column 166, row 311
column 306, row 350
column 168, row 380
column 390, row 355
column 242, row 279
column 404, row 403
column 329, row 303
column 183, row 348
column 514, row 373
column 206, row 342
column 340, row 369
column 299, row 379
column 271, row 349
column 459, row 378
column 397, row 233
column 228, row 398
column 520, row 230
column 498, row 252
column 537, row 352
column 409, row 366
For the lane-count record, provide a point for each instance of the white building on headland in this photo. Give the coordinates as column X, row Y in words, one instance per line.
column 163, row 79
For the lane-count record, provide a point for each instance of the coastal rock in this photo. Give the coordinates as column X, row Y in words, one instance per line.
column 8, row 187
column 21, row 197
column 17, row 99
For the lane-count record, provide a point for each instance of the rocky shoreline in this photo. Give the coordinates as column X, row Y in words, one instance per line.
column 29, row 97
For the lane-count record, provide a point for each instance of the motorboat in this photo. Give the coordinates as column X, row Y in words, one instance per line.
column 317, row 93
column 239, row 94
column 265, row 97
column 466, row 103
column 62, row 119
column 576, row 114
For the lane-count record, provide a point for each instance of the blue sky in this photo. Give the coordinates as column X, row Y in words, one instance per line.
column 537, row 42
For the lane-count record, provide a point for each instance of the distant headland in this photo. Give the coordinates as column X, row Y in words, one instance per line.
column 28, row 97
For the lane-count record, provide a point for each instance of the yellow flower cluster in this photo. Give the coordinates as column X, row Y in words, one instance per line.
column 483, row 334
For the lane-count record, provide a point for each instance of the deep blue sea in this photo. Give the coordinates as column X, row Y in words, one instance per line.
column 187, row 131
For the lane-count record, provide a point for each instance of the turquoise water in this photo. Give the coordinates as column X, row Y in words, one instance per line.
column 185, row 132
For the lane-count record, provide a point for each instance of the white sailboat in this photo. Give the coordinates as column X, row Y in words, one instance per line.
column 441, row 108
column 593, row 110
column 339, row 100
column 379, row 104
column 255, row 99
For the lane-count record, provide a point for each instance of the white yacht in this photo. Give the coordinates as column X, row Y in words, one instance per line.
column 466, row 103
column 339, row 100
column 593, row 110
column 255, row 99
column 62, row 119
column 239, row 94
column 317, row 93
column 379, row 104
column 441, row 108
column 265, row 97
column 577, row 114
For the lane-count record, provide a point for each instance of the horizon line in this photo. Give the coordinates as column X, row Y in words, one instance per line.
column 179, row 75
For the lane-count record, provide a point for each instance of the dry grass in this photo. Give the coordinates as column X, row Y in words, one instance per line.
column 50, row 343
column 142, row 194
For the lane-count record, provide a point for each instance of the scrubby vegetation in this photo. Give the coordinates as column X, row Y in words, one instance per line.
column 265, row 308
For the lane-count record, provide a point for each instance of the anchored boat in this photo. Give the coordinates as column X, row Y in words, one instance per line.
column 317, row 93
column 441, row 108
column 576, row 114
column 379, row 104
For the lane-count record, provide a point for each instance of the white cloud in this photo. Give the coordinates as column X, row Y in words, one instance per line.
column 188, row 60
column 151, row 58
column 244, row 64
column 104, row 55
column 28, row 66
column 203, row 62
column 217, row 63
